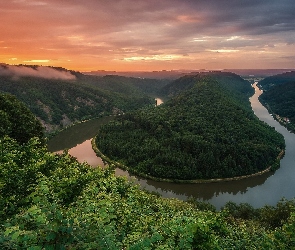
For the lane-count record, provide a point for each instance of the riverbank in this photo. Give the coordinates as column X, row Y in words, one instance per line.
column 284, row 122
column 114, row 164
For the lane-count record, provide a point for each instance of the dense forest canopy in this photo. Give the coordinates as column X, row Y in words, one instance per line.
column 50, row 201
column 271, row 81
column 70, row 96
column 204, row 131
column 233, row 83
column 279, row 97
column 17, row 121
column 126, row 85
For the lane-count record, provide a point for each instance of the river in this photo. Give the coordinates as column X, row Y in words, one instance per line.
column 258, row 191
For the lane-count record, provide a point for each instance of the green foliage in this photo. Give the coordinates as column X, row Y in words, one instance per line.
column 53, row 202
column 17, row 121
column 276, row 216
column 202, row 205
column 284, row 238
column 203, row 132
column 20, row 167
column 270, row 217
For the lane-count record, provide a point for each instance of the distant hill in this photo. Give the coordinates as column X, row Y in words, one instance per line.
column 204, row 131
column 175, row 74
column 233, row 83
column 278, row 79
column 163, row 74
column 257, row 72
column 126, row 85
column 59, row 97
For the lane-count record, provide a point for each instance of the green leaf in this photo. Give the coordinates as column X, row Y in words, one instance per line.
column 15, row 235
column 50, row 236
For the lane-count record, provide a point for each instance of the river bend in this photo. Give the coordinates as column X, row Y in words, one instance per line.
column 266, row 189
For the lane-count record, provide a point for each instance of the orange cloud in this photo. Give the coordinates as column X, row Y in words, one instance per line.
column 147, row 35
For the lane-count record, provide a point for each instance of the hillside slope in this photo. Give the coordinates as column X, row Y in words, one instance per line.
column 126, row 85
column 203, row 132
column 16, row 120
column 280, row 101
column 271, row 81
column 59, row 97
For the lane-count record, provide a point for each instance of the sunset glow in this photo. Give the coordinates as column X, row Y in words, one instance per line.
column 133, row 35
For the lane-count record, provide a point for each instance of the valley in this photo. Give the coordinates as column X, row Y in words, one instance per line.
column 51, row 200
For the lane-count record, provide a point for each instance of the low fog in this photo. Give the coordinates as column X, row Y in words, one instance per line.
column 38, row 71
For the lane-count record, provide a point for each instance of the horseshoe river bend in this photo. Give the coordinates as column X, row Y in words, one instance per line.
column 266, row 189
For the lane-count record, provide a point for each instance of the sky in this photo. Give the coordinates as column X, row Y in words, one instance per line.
column 148, row 35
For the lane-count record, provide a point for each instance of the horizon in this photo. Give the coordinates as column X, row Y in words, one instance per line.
column 160, row 70
column 147, row 36
column 36, row 70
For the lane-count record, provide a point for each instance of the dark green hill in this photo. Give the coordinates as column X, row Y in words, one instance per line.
column 59, row 97
column 126, row 85
column 203, row 132
column 272, row 81
column 234, row 84
column 230, row 81
column 280, row 101
column 16, row 120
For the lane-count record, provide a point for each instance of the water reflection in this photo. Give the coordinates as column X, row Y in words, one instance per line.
column 84, row 153
column 207, row 191
column 77, row 134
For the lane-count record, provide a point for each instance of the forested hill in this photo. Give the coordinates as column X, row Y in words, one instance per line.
column 280, row 101
column 279, row 79
column 126, row 85
column 235, row 85
column 201, row 133
column 59, row 97
column 279, row 97
column 230, row 81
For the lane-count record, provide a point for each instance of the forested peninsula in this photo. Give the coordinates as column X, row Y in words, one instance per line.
column 51, row 201
column 206, row 130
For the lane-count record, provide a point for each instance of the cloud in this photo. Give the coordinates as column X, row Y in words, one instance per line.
column 99, row 33
column 36, row 71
